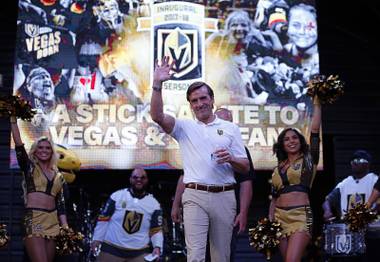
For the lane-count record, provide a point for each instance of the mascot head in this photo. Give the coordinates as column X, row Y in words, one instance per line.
column 68, row 162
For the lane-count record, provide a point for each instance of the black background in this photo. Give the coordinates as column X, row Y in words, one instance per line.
column 348, row 46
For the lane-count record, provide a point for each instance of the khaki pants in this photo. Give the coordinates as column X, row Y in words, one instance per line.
column 107, row 257
column 208, row 212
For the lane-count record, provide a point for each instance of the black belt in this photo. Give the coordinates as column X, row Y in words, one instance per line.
column 210, row 188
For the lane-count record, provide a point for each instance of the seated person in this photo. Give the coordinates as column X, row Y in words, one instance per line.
column 129, row 223
column 354, row 189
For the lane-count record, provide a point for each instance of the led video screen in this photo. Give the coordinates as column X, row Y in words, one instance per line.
column 86, row 66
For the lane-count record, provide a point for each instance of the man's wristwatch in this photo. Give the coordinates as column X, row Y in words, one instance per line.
column 157, row 88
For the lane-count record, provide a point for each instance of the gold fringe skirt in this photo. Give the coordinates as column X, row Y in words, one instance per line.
column 293, row 219
column 41, row 223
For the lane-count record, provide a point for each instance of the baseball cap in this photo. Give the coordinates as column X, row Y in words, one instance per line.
column 362, row 154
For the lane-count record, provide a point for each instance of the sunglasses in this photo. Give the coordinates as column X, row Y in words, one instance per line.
column 359, row 161
column 43, row 138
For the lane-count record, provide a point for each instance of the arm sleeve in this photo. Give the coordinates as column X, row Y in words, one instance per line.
column 237, row 146
column 155, row 233
column 104, row 217
column 314, row 147
column 177, row 129
column 22, row 159
column 60, row 199
column 158, row 240
column 242, row 177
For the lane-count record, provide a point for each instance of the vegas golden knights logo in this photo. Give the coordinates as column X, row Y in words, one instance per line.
column 32, row 30
column 354, row 199
column 343, row 243
column 132, row 221
column 182, row 46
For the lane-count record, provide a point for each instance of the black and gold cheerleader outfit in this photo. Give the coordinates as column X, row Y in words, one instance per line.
column 298, row 177
column 38, row 221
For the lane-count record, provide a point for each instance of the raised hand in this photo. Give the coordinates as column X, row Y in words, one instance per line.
column 162, row 72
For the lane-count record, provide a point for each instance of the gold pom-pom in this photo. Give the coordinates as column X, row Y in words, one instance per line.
column 358, row 217
column 5, row 107
column 68, row 241
column 16, row 106
column 4, row 238
column 265, row 237
column 328, row 89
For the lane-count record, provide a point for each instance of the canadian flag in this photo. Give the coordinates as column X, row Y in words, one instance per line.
column 89, row 88
column 88, row 82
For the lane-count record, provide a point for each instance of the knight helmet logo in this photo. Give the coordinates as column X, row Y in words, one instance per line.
column 181, row 45
column 355, row 199
column 132, row 221
column 343, row 243
column 32, row 30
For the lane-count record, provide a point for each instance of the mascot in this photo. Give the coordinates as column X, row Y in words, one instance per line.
column 68, row 162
